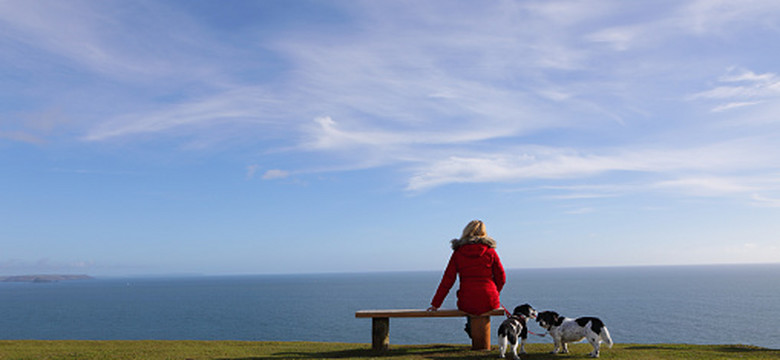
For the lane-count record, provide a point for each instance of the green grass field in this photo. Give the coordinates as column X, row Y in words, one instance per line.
column 244, row 350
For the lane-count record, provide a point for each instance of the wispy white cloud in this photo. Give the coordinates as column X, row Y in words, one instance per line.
column 587, row 191
column 551, row 163
column 766, row 201
column 709, row 186
column 743, row 75
column 251, row 106
column 734, row 105
column 741, row 88
column 580, row 211
column 129, row 42
column 251, row 170
column 748, row 86
column 620, row 39
column 722, row 16
column 327, row 134
column 275, row 174
column 693, row 20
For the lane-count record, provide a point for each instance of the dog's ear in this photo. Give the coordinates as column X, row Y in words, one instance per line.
column 557, row 320
column 525, row 310
column 554, row 317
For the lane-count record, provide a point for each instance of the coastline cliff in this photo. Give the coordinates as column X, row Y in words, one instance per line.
column 43, row 278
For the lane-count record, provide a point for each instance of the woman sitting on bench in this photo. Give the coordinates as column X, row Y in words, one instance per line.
column 475, row 261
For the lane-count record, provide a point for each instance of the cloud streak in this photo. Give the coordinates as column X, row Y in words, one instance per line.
column 238, row 106
column 743, row 88
column 683, row 167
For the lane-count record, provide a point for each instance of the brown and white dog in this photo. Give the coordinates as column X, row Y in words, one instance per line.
column 564, row 330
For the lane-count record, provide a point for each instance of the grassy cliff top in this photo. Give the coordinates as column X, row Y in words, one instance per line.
column 248, row 350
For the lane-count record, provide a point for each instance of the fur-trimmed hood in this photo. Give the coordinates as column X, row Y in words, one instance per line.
column 484, row 240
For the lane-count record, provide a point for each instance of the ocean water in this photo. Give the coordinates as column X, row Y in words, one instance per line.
column 737, row 304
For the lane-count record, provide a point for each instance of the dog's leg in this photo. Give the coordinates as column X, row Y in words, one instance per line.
column 523, row 337
column 514, row 351
column 596, row 344
column 502, row 341
column 556, row 346
column 564, row 347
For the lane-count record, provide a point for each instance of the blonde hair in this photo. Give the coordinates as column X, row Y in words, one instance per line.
column 473, row 233
column 474, row 229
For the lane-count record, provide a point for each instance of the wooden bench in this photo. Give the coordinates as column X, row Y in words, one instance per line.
column 380, row 324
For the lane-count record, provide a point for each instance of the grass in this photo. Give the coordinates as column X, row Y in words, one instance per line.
column 245, row 350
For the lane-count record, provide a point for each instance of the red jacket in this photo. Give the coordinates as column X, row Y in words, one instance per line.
column 481, row 279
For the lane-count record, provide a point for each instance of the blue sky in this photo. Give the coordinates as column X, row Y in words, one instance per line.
column 250, row 137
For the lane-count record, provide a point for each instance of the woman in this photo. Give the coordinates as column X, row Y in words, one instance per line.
column 475, row 261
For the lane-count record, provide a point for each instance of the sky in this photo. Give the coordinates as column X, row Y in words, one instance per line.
column 269, row 137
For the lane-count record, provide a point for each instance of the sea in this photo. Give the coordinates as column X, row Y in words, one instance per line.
column 719, row 304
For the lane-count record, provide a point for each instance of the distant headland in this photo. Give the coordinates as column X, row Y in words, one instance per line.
column 43, row 278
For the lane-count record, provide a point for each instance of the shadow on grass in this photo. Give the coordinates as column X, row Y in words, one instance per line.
column 718, row 348
column 650, row 347
column 706, row 348
column 434, row 351
column 462, row 352
column 743, row 349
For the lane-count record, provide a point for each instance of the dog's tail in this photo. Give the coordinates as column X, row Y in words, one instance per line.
column 605, row 337
column 503, row 339
column 503, row 330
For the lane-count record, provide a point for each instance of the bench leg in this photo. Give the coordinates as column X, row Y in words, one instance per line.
column 480, row 333
column 380, row 333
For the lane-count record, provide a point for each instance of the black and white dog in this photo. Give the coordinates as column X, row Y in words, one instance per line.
column 515, row 327
column 564, row 330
